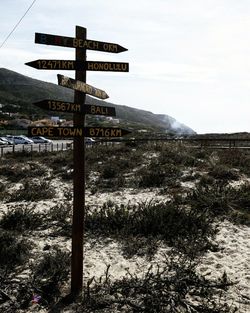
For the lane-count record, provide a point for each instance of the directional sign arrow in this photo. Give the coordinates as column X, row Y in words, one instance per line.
column 107, row 66
column 77, row 131
column 55, row 40
column 59, row 106
column 70, row 107
column 98, row 110
column 105, row 132
column 81, row 86
column 79, row 65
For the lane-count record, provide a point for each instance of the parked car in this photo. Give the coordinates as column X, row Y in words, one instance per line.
column 2, row 143
column 40, row 139
column 89, row 141
column 22, row 140
column 7, row 140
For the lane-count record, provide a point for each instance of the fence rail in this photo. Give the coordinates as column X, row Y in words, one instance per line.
column 219, row 143
column 34, row 148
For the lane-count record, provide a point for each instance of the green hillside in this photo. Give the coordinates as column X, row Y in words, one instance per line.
column 22, row 91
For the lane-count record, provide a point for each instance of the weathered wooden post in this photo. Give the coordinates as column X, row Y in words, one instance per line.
column 78, row 179
column 78, row 131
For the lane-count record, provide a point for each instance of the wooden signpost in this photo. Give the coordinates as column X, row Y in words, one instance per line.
column 79, row 43
column 69, row 132
column 78, row 131
column 71, row 107
column 81, row 86
column 79, row 65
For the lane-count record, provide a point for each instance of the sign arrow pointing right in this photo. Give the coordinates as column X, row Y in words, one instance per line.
column 81, row 86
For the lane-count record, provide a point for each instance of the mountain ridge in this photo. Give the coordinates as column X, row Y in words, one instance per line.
column 18, row 89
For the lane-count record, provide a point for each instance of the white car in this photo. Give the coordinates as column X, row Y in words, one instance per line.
column 7, row 141
column 89, row 141
column 22, row 140
column 40, row 139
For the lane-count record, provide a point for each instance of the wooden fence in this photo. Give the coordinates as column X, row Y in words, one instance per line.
column 221, row 143
column 34, row 148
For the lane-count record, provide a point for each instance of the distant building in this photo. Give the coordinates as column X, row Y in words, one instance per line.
column 55, row 119
column 111, row 119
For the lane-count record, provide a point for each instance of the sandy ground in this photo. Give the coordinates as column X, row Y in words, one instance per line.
column 232, row 257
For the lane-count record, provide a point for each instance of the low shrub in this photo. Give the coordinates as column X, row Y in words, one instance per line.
column 50, row 273
column 235, row 158
column 14, row 249
column 221, row 201
column 2, row 187
column 109, row 171
column 13, row 172
column 206, row 180
column 240, row 197
column 174, row 154
column 16, row 171
column 222, row 172
column 178, row 226
column 240, row 204
column 33, row 191
column 170, row 288
column 156, row 175
column 140, row 246
column 21, row 218
column 60, row 216
column 214, row 199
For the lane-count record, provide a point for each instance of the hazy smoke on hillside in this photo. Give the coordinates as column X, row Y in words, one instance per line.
column 176, row 127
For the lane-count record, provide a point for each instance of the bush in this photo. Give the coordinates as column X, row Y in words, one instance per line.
column 15, row 171
column 173, row 154
column 206, row 180
column 14, row 250
column 109, row 171
column 50, row 273
column 174, row 287
column 33, row 191
column 222, row 172
column 235, row 158
column 3, row 191
column 214, row 199
column 180, row 227
column 60, row 215
column 21, row 218
column 221, row 201
column 60, row 162
column 240, row 204
column 156, row 175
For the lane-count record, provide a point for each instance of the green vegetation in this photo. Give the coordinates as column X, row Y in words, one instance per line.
column 165, row 289
column 50, row 272
column 21, row 219
column 14, row 250
column 200, row 188
column 18, row 92
column 188, row 230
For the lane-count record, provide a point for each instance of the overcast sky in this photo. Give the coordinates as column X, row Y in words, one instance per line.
column 189, row 59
